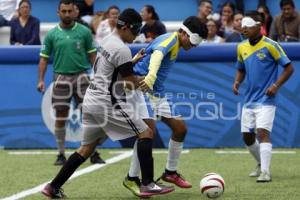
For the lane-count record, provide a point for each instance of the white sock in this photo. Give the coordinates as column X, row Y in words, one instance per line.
column 60, row 135
column 254, row 151
column 266, row 155
column 134, row 170
column 175, row 149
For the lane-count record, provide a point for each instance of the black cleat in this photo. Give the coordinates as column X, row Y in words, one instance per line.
column 96, row 159
column 60, row 160
column 53, row 193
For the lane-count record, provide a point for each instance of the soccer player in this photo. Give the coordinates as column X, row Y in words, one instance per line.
column 104, row 108
column 161, row 54
column 258, row 60
column 74, row 52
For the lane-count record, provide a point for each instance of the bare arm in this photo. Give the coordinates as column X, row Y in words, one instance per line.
column 42, row 70
column 239, row 78
column 92, row 57
column 284, row 76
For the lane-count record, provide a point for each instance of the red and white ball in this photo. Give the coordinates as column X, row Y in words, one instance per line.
column 212, row 185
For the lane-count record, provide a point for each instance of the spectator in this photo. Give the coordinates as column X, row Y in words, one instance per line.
column 204, row 9
column 239, row 5
column 227, row 12
column 285, row 27
column 108, row 25
column 86, row 9
column 77, row 16
column 8, row 10
column 153, row 26
column 97, row 18
column 266, row 25
column 25, row 29
column 212, row 37
column 237, row 35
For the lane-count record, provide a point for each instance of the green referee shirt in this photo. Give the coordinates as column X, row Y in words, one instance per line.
column 71, row 48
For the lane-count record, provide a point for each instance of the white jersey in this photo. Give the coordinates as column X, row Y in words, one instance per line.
column 103, row 109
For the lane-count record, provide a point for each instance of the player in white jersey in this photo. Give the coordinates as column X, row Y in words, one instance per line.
column 105, row 110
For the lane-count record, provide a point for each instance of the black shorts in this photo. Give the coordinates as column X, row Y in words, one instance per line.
column 68, row 86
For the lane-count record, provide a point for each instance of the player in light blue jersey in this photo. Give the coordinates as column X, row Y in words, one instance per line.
column 161, row 54
column 258, row 60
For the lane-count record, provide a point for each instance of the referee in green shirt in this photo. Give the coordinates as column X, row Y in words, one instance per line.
column 74, row 52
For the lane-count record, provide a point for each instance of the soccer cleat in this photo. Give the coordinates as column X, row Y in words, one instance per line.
column 133, row 185
column 96, row 159
column 53, row 193
column 60, row 160
column 154, row 189
column 256, row 172
column 176, row 179
column 264, row 177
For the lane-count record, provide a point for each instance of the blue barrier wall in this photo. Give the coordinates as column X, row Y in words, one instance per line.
column 200, row 84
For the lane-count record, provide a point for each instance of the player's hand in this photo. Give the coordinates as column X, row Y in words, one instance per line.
column 143, row 86
column 139, row 55
column 41, row 86
column 235, row 88
column 271, row 91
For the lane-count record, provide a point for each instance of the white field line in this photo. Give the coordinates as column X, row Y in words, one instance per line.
column 76, row 174
column 246, row 152
column 186, row 151
column 36, row 152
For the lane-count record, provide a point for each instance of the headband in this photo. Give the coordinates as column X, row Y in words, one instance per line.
column 195, row 39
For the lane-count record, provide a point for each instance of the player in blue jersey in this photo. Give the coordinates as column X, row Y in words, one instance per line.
column 258, row 61
column 161, row 54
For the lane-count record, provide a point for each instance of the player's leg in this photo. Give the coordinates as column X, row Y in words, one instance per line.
column 81, row 83
column 264, row 121
column 179, row 131
column 91, row 136
column 60, row 135
column 61, row 98
column 249, row 136
column 132, row 180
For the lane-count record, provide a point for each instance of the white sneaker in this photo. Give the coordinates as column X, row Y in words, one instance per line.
column 264, row 177
column 256, row 172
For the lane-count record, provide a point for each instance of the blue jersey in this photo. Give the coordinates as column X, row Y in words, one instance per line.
column 168, row 44
column 260, row 63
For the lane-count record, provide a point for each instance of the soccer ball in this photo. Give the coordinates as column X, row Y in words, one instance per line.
column 212, row 185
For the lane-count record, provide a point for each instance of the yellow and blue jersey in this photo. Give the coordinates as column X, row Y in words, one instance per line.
column 260, row 63
column 168, row 44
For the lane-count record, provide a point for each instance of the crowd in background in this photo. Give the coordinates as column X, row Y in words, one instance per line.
column 224, row 24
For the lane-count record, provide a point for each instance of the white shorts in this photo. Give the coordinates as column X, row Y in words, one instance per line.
column 147, row 106
column 258, row 117
column 101, row 117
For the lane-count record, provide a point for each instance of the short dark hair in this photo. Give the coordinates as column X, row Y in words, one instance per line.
column 113, row 7
column 205, row 1
column 196, row 26
column 287, row 2
column 67, row 2
column 24, row 1
column 151, row 9
column 255, row 15
column 130, row 17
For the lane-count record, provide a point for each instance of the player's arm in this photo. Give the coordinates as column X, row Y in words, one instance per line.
column 284, row 76
column 155, row 62
column 92, row 57
column 139, row 55
column 42, row 71
column 239, row 78
column 130, row 80
column 280, row 57
column 44, row 57
column 240, row 73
